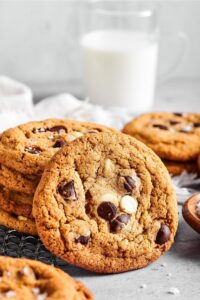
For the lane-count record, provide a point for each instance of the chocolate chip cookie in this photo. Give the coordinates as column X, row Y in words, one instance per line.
column 17, row 181
column 19, row 223
column 173, row 136
column 176, row 168
column 24, row 279
column 27, row 148
column 16, row 202
column 106, row 203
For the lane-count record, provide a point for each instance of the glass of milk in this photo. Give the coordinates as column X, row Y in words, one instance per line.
column 120, row 54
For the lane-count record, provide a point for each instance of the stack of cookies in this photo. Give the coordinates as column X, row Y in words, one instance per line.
column 174, row 137
column 104, row 201
column 24, row 153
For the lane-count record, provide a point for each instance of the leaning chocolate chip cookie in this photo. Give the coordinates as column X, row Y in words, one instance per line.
column 106, row 203
column 23, row 279
column 173, row 136
column 27, row 148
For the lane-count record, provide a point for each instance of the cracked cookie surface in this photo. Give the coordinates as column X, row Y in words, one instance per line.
column 24, row 279
column 27, row 148
column 173, row 136
column 106, row 203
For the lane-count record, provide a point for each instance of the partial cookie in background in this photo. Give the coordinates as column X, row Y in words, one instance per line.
column 25, row 279
column 177, row 168
column 17, row 181
column 173, row 136
column 19, row 223
column 106, row 203
column 198, row 163
column 28, row 148
column 15, row 202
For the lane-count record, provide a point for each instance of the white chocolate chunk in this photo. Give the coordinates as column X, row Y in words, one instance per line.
column 10, row 294
column 42, row 296
column 7, row 273
column 26, row 271
column 187, row 128
column 128, row 204
column 108, row 167
column 50, row 136
column 108, row 197
column 21, row 218
column 35, row 290
column 74, row 135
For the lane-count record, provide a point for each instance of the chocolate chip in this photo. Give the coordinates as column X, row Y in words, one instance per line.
column 84, row 240
column 160, row 126
column 39, row 130
column 123, row 218
column 174, row 122
column 23, row 272
column 33, row 149
column 107, row 210
column 178, row 114
column 196, row 125
column 88, row 208
column 58, row 129
column 183, row 131
column 129, row 183
column 118, row 224
column 59, row 144
column 67, row 190
column 20, row 273
column 163, row 234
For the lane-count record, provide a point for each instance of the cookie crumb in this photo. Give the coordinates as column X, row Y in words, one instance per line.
column 173, row 291
column 143, row 286
column 164, row 265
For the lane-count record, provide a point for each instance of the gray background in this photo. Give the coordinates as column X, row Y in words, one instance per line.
column 39, row 42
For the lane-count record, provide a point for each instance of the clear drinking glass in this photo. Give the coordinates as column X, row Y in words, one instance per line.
column 120, row 53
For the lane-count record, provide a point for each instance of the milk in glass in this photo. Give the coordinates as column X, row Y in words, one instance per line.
column 120, row 68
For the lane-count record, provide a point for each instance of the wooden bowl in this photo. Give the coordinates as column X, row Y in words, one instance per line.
column 189, row 212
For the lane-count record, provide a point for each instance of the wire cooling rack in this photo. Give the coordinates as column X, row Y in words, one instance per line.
column 16, row 244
